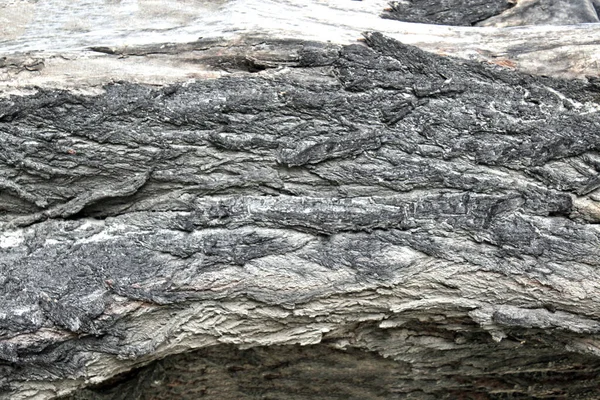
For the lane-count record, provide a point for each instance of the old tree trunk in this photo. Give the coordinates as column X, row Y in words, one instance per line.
column 242, row 200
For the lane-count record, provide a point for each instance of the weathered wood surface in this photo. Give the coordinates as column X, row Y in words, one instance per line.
column 44, row 42
column 278, row 184
column 499, row 13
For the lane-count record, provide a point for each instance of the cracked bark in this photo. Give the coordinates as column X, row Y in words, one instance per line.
column 495, row 13
column 299, row 218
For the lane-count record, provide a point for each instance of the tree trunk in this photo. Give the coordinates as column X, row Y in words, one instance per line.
column 240, row 200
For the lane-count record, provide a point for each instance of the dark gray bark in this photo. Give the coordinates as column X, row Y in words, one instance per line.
column 426, row 225
column 495, row 12
column 447, row 12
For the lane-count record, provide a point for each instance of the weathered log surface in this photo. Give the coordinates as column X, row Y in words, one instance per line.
column 428, row 222
column 43, row 44
column 495, row 12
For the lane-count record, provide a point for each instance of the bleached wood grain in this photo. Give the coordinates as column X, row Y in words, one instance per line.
column 51, row 38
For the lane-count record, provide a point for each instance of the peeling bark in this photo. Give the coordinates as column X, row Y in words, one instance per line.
column 423, row 226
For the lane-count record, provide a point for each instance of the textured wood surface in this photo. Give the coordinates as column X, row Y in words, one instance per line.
column 44, row 43
column 279, row 183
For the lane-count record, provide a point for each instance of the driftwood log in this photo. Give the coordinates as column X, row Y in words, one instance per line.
column 299, row 200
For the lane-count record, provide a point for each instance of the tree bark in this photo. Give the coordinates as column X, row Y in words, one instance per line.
column 277, row 210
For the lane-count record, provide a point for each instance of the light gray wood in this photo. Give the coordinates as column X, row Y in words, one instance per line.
column 53, row 38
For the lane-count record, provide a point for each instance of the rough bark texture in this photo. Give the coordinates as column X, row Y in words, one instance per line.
column 447, row 12
column 551, row 12
column 494, row 12
column 426, row 227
